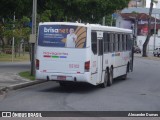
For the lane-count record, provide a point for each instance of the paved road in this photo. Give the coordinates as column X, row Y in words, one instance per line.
column 14, row 67
column 140, row 92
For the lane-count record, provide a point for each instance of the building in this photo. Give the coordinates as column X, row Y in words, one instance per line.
column 136, row 18
column 137, row 3
column 128, row 20
column 143, row 3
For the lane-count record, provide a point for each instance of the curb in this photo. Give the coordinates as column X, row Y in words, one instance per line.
column 3, row 89
column 21, row 85
column 148, row 58
column 26, row 84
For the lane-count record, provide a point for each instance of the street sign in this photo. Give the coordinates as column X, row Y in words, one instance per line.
column 32, row 38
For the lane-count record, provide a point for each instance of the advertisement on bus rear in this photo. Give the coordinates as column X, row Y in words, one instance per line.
column 62, row 36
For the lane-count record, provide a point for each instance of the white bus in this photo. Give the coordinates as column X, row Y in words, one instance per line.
column 82, row 53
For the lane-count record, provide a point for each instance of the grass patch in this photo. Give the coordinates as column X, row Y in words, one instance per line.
column 8, row 57
column 27, row 75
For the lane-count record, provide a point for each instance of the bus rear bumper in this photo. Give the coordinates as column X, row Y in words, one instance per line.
column 85, row 77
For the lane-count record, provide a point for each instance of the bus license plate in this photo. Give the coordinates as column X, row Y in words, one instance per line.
column 61, row 77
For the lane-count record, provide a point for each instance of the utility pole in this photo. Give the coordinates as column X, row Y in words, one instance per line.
column 134, row 30
column 103, row 21
column 155, row 23
column 34, row 16
column 136, row 27
column 112, row 20
column 13, row 37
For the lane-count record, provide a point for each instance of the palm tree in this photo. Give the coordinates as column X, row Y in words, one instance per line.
column 149, row 30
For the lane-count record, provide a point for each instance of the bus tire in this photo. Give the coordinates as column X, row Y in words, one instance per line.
column 110, row 80
column 104, row 84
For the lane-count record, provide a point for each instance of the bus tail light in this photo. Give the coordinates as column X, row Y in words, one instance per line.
column 87, row 66
column 37, row 64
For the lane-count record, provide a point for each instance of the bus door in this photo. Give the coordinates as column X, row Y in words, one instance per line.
column 100, row 55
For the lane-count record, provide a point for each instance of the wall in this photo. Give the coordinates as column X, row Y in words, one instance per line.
column 141, row 39
column 123, row 23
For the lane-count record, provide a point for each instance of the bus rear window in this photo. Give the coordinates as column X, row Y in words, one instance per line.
column 62, row 36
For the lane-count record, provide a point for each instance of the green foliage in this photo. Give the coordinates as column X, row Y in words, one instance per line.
column 110, row 21
column 20, row 7
column 61, row 10
column 27, row 75
column 87, row 10
column 91, row 11
column 17, row 29
column 45, row 16
column 8, row 57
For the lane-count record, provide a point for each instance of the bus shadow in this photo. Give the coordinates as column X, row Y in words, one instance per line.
column 119, row 81
column 72, row 88
column 79, row 87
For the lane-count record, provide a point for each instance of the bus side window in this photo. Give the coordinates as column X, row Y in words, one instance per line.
column 116, row 43
column 128, row 42
column 113, row 41
column 94, row 42
column 105, row 42
column 124, row 42
column 108, row 41
column 119, row 41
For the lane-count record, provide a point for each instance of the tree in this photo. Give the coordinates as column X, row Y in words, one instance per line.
column 45, row 16
column 19, row 32
column 91, row 11
column 2, row 35
column 20, row 7
column 149, row 30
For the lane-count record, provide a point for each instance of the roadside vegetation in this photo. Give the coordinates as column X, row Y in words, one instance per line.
column 8, row 57
column 27, row 75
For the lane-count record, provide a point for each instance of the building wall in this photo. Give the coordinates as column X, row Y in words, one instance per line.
column 155, row 5
column 143, row 3
column 137, row 3
column 123, row 23
column 141, row 39
column 158, row 4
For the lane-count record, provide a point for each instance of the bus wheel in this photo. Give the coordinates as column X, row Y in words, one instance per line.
column 104, row 84
column 110, row 80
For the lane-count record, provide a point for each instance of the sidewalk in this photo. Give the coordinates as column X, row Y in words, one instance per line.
column 150, row 57
column 11, row 79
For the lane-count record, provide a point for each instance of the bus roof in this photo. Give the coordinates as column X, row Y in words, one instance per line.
column 92, row 26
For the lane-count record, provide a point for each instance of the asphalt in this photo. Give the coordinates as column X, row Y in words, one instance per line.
column 11, row 80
